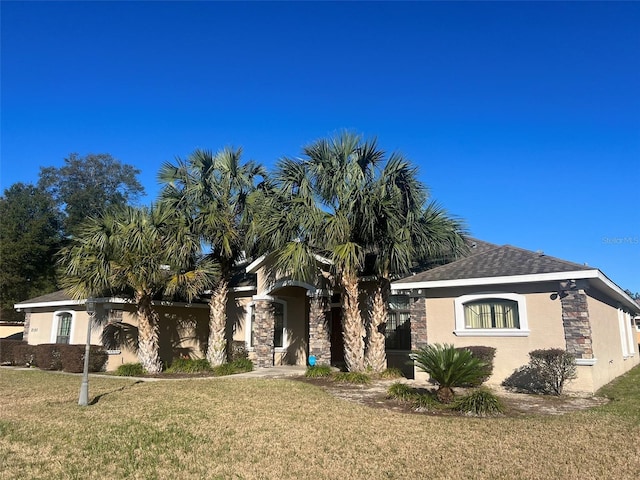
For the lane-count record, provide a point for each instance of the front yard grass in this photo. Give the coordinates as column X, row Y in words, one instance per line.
column 266, row 428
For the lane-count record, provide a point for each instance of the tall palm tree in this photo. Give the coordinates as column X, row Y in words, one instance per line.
column 214, row 192
column 346, row 200
column 143, row 253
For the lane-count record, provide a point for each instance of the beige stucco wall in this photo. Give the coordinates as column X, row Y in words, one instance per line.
column 6, row 330
column 544, row 319
column 607, row 345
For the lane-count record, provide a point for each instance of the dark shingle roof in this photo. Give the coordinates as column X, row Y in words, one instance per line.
column 59, row 296
column 499, row 261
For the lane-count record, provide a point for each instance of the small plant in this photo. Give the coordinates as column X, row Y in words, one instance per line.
column 391, row 373
column 555, row 367
column 449, row 367
column 547, row 372
column 130, row 370
column 426, row 401
column 224, row 370
column 318, row 371
column 401, row 391
column 352, row 377
column 242, row 365
column 481, row 402
column 189, row 365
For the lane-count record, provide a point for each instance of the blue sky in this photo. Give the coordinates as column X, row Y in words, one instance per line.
column 524, row 118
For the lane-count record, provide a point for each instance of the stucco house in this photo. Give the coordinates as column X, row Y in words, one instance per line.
column 517, row 301
column 501, row 296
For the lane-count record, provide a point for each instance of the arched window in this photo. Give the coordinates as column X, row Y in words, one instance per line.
column 62, row 327
column 491, row 314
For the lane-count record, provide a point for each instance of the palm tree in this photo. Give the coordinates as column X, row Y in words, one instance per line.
column 320, row 205
column 406, row 232
column 347, row 201
column 214, row 191
column 449, row 367
column 142, row 253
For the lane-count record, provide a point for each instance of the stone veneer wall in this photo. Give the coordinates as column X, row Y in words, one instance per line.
column 418, row 322
column 319, row 340
column 575, row 320
column 264, row 329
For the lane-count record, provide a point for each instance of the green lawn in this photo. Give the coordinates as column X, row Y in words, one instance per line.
column 251, row 428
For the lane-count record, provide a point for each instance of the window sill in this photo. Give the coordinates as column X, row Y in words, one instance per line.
column 586, row 362
column 491, row 332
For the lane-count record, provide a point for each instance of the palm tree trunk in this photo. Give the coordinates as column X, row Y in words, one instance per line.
column 216, row 349
column 352, row 328
column 376, row 356
column 148, row 349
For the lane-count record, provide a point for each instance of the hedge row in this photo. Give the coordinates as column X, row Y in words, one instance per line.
column 52, row 356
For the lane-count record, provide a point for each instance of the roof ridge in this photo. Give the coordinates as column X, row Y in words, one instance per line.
column 551, row 257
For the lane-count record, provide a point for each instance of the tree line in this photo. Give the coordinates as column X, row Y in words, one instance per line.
column 343, row 199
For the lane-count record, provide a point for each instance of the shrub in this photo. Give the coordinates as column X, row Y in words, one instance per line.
column 6, row 350
column 242, row 365
column 188, row 365
column 391, row 373
column 401, row 391
column 224, row 369
column 481, row 402
column 318, row 371
column 547, row 372
column 425, row 400
column 352, row 377
column 48, row 356
column 72, row 357
column 554, row 367
column 486, row 354
column 449, row 367
column 24, row 355
column 238, row 350
column 130, row 370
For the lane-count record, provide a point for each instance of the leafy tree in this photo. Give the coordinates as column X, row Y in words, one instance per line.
column 449, row 367
column 142, row 253
column 29, row 238
column 213, row 191
column 87, row 186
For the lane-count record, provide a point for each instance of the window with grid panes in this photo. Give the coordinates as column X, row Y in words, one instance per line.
column 398, row 330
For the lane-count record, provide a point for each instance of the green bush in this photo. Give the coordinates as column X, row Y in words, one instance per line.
column 188, row 365
column 130, row 370
column 242, row 365
column 48, row 356
column 391, row 373
column 486, row 354
column 481, row 402
column 72, row 357
column 547, row 372
column 318, row 371
column 224, row 369
column 352, row 377
column 6, row 350
column 449, row 367
column 24, row 355
column 401, row 391
column 426, row 400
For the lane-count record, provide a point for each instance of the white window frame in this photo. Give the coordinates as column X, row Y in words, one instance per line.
column 55, row 324
column 249, row 326
column 626, row 334
column 462, row 331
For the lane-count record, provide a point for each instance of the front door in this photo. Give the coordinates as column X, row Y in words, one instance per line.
column 337, row 343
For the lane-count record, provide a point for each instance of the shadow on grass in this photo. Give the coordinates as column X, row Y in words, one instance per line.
column 97, row 398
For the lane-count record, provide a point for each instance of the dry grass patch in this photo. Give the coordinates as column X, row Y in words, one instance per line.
column 265, row 428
